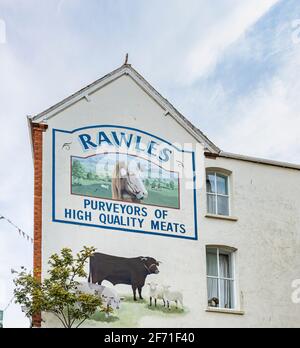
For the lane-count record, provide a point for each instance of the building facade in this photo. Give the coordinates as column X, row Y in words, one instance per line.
column 215, row 236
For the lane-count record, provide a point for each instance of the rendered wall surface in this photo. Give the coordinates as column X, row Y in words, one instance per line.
column 265, row 200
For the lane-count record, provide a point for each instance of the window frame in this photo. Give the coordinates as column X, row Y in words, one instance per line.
column 232, row 264
column 226, row 175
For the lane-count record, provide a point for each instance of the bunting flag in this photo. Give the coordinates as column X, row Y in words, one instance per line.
column 20, row 231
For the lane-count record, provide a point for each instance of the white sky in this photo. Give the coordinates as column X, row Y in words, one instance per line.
column 230, row 66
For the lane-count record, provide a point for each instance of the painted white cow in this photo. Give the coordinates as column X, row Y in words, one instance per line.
column 110, row 298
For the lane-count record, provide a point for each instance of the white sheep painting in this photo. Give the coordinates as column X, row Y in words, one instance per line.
column 163, row 293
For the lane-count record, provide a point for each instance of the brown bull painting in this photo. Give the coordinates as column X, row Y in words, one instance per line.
column 127, row 184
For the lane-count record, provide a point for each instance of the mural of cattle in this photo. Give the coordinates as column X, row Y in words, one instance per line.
column 127, row 184
column 121, row 270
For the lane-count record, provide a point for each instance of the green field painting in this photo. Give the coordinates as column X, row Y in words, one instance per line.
column 92, row 177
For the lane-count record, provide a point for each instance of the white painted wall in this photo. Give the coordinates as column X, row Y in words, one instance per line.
column 266, row 202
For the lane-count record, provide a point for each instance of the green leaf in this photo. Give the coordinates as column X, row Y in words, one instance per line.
column 58, row 293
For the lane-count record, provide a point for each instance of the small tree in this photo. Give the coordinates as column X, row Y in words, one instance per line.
column 172, row 185
column 90, row 176
column 78, row 170
column 58, row 294
column 147, row 182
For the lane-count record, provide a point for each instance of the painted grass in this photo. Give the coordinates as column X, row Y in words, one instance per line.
column 131, row 312
column 162, row 198
column 93, row 190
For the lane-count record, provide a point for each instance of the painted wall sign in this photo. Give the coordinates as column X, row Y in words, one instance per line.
column 123, row 179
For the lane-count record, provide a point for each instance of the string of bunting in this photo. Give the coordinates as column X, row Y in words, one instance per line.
column 9, row 303
column 20, row 231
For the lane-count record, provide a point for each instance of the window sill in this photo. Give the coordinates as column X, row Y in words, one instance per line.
column 221, row 217
column 224, row 311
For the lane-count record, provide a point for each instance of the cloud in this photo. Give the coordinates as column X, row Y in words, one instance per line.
column 266, row 122
column 247, row 102
column 15, row 173
column 223, row 32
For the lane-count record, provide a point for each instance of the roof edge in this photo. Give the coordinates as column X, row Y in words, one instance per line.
column 127, row 69
column 51, row 109
column 180, row 118
column 258, row 160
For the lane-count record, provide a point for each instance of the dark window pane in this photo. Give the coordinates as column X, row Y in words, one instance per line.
column 211, row 204
column 222, row 184
column 223, row 205
column 211, row 183
column 212, row 262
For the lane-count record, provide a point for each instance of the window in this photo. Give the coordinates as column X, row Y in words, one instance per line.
column 220, row 278
column 217, row 194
